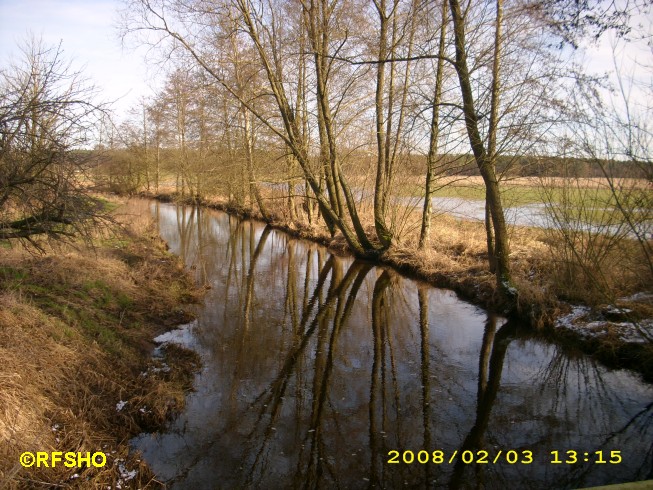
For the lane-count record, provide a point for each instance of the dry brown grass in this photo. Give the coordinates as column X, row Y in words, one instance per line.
column 75, row 332
column 457, row 258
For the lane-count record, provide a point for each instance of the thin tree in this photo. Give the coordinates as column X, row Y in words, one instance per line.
column 434, row 132
column 484, row 152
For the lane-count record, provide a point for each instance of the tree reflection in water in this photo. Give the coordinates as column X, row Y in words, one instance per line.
column 316, row 366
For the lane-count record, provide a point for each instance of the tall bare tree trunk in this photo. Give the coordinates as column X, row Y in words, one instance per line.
column 380, row 191
column 248, row 139
column 145, row 152
column 434, row 135
column 489, row 235
column 318, row 15
column 485, row 158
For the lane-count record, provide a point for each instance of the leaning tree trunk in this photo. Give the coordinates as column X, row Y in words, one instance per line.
column 485, row 158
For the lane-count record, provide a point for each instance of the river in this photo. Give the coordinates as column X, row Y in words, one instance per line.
column 322, row 371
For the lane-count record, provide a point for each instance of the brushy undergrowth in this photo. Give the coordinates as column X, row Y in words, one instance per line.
column 75, row 341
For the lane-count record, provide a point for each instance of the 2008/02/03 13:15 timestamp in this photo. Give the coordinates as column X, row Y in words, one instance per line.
column 511, row 457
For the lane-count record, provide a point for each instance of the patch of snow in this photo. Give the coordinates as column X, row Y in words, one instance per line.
column 125, row 474
column 641, row 296
column 182, row 336
column 164, row 368
column 613, row 310
column 628, row 332
column 510, row 289
column 568, row 320
column 120, row 405
column 641, row 333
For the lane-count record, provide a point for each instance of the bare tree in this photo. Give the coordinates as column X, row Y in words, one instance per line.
column 485, row 151
column 47, row 117
column 509, row 78
column 155, row 117
column 434, row 131
column 601, row 233
column 261, row 22
column 397, row 26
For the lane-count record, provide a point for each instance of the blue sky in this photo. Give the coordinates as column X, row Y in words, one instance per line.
column 89, row 36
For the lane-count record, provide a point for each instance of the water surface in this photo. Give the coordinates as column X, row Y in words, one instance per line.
column 316, row 367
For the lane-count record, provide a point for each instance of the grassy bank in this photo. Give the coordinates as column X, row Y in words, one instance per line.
column 77, row 373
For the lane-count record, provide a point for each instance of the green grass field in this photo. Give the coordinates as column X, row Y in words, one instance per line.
column 513, row 195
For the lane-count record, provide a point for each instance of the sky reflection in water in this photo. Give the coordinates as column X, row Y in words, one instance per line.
column 316, row 367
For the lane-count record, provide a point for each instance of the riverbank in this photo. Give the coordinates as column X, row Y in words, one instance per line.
column 77, row 372
column 457, row 260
